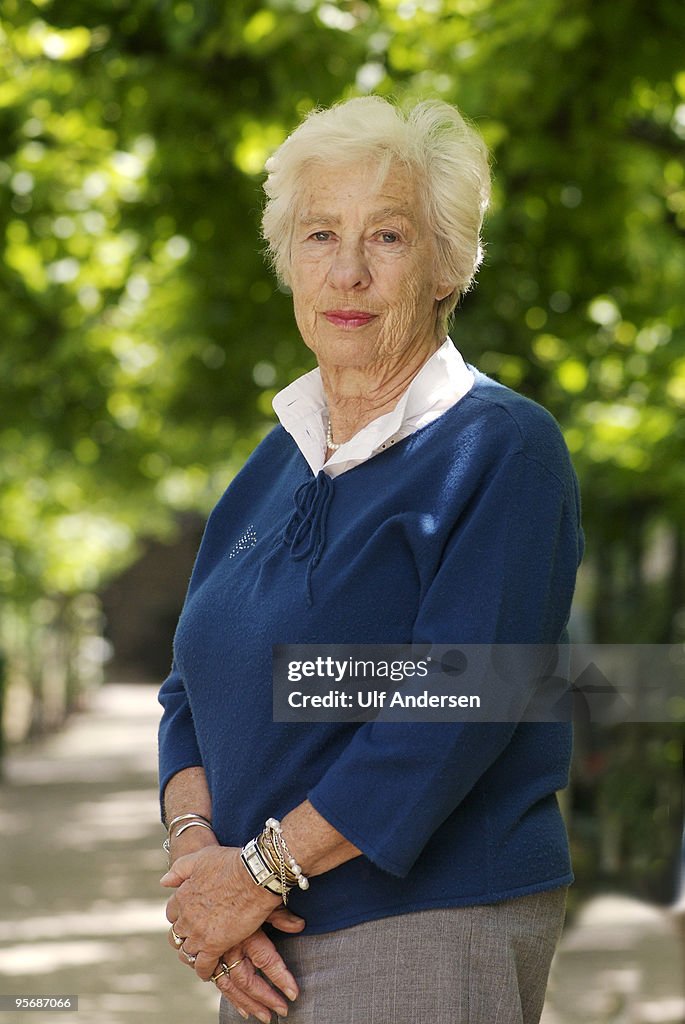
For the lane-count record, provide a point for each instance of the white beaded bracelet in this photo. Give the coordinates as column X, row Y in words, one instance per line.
column 277, row 838
column 265, row 859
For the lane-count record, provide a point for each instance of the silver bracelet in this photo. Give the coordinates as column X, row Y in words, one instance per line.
column 186, row 817
column 192, row 824
column 190, row 819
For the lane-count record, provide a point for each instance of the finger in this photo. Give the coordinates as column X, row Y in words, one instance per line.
column 243, row 1013
column 245, row 1005
column 266, row 957
column 182, row 869
column 187, row 958
column 206, row 964
column 173, row 878
column 285, row 920
column 171, row 938
column 247, row 990
column 172, row 942
column 189, row 945
column 172, row 910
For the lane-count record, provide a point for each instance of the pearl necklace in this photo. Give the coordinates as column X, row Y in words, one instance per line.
column 330, row 443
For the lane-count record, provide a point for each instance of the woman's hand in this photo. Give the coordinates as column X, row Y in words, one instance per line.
column 247, row 990
column 244, row 987
column 190, row 841
column 216, row 905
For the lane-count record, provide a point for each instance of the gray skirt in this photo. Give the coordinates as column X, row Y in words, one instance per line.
column 458, row 965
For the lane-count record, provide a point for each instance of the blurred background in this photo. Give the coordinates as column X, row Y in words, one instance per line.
column 141, row 342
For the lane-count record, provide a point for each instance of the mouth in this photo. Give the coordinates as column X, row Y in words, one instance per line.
column 348, row 319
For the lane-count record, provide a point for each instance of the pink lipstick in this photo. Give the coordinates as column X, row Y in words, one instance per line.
column 348, row 319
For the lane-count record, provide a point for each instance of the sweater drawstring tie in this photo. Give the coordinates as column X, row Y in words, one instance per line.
column 305, row 531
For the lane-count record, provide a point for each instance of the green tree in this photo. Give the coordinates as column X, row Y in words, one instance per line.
column 143, row 337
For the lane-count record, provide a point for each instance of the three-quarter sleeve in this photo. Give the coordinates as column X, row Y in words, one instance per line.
column 178, row 746
column 506, row 575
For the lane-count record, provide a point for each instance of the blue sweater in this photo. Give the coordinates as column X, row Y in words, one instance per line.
column 467, row 531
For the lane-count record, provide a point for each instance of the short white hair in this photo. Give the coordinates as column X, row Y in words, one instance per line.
column 447, row 155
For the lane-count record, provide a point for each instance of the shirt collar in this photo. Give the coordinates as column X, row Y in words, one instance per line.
column 302, row 410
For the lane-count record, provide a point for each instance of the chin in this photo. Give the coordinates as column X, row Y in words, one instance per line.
column 344, row 351
column 350, row 360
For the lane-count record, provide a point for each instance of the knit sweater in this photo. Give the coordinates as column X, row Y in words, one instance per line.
column 467, row 531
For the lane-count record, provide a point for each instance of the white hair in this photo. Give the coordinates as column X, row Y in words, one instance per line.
column 444, row 152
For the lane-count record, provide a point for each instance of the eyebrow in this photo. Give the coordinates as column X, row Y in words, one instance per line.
column 313, row 219
column 382, row 214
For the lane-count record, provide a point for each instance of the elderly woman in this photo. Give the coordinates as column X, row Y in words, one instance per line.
column 404, row 497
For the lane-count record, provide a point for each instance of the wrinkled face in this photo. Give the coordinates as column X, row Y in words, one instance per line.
column 363, row 274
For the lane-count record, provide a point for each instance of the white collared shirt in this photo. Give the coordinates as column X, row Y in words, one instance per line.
column 302, row 410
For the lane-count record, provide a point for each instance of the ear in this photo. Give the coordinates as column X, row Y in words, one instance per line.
column 442, row 291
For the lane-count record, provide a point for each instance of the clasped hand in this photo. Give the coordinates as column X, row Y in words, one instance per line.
column 218, row 910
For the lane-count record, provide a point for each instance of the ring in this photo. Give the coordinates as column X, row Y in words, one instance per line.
column 220, row 974
column 190, row 957
column 178, row 941
column 225, row 968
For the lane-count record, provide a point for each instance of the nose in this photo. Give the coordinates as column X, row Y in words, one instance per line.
column 349, row 269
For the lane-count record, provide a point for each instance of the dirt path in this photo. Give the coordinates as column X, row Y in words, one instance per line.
column 84, row 913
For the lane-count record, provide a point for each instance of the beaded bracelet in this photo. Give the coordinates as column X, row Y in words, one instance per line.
column 270, row 863
column 270, row 854
column 275, row 832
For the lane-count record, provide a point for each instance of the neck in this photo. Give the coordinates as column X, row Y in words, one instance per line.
column 358, row 395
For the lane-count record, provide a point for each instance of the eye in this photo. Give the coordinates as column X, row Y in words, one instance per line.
column 321, row 236
column 388, row 237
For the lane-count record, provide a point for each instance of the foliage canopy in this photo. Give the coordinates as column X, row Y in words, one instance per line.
column 143, row 338
column 142, row 334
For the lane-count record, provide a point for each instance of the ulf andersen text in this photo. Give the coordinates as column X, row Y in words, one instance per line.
column 381, row 699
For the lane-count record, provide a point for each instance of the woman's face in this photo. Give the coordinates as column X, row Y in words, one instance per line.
column 363, row 267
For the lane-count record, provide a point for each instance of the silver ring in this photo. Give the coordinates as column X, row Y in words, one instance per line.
column 190, row 957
